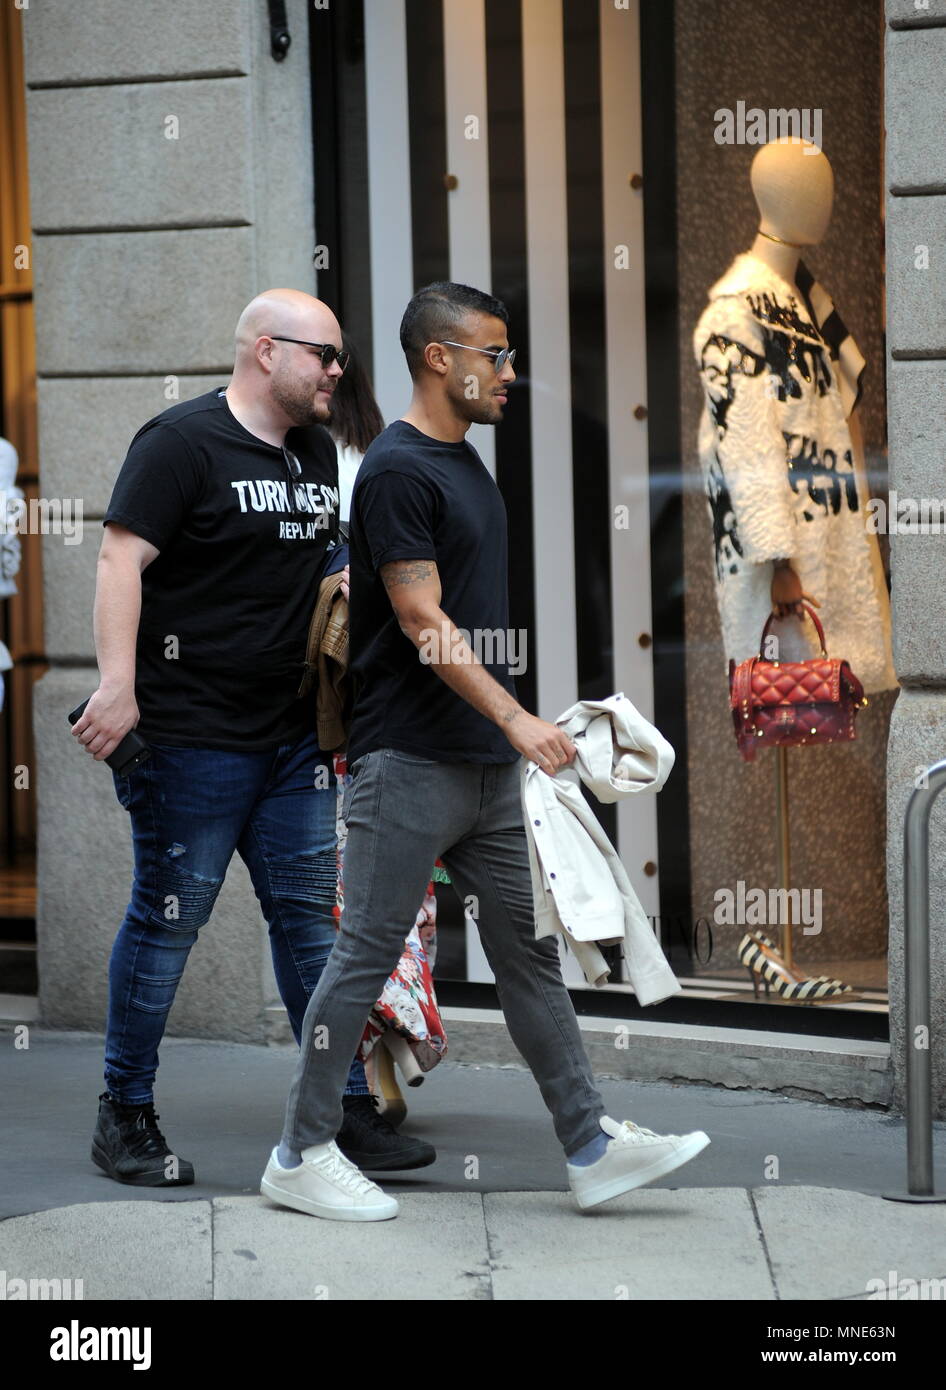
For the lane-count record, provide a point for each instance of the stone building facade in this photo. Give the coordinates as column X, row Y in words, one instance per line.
column 148, row 242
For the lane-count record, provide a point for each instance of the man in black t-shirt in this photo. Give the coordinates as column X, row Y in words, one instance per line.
column 434, row 750
column 221, row 522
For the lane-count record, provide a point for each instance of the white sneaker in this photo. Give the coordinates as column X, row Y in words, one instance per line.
column 326, row 1184
column 633, row 1157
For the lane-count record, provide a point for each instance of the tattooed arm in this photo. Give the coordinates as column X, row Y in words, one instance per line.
column 414, row 590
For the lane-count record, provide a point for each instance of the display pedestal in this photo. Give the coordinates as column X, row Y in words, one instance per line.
column 784, row 851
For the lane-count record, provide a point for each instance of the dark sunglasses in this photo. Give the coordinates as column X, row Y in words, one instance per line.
column 293, row 474
column 329, row 353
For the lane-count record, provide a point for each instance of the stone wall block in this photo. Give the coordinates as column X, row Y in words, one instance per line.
column 918, row 564
column 915, row 14
column 141, row 302
column 87, row 423
column 73, row 41
column 69, row 590
column 155, row 154
column 916, row 111
column 916, row 275
column 284, row 186
column 916, row 418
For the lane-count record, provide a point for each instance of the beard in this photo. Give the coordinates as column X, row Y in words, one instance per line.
column 297, row 399
column 479, row 410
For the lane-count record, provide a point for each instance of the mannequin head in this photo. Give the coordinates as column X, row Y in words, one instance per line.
column 794, row 189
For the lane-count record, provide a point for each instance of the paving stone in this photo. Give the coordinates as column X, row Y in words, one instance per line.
column 659, row 1244
column 824, row 1243
column 434, row 1249
column 119, row 1250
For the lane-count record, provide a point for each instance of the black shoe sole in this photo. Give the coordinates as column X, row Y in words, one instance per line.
column 153, row 1179
column 383, row 1163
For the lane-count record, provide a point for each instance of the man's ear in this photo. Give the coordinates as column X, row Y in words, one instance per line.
column 435, row 357
column 264, row 353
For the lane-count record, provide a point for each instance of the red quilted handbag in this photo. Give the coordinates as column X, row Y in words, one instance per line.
column 787, row 702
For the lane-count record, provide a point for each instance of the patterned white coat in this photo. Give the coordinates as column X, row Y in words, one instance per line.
column 780, row 473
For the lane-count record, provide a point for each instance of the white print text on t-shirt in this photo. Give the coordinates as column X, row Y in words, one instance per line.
column 270, row 495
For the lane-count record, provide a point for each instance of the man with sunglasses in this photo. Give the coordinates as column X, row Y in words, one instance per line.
column 434, row 749
column 221, row 522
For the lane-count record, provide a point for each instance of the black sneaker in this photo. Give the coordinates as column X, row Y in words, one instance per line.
column 129, row 1147
column 367, row 1140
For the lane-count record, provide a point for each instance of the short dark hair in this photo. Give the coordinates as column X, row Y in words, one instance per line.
column 437, row 312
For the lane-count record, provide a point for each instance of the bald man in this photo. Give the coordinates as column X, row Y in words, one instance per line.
column 221, row 524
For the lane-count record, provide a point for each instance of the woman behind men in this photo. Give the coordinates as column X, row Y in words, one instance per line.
column 356, row 421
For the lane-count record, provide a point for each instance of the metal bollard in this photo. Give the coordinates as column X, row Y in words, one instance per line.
column 916, row 941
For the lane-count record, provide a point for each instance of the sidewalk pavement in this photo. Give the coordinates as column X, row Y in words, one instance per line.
column 785, row 1203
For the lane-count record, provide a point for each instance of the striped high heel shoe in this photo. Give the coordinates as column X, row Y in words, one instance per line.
column 760, row 956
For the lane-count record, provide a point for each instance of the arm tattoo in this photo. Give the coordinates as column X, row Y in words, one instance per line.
column 406, row 572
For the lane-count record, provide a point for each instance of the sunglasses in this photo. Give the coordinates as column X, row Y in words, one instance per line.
column 500, row 357
column 293, row 473
column 328, row 352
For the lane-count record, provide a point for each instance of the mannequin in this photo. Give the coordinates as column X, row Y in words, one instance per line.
column 783, row 468
column 794, row 206
column 794, row 192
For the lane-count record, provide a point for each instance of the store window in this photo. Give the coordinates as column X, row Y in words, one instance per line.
column 591, row 165
column 807, row 340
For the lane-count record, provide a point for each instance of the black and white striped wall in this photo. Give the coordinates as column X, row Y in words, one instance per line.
column 499, row 143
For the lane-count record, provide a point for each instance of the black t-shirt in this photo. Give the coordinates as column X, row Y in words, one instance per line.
column 226, row 605
column 418, row 498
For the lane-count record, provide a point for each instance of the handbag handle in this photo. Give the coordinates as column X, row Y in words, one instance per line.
column 812, row 615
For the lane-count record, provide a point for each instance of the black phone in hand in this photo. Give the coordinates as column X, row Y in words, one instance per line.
column 129, row 754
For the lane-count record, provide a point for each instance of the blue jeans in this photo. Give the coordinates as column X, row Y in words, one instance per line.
column 190, row 809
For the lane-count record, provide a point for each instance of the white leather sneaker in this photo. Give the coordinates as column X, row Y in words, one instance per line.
column 634, row 1156
column 326, row 1184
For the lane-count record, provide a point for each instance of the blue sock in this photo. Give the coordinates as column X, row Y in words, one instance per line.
column 288, row 1158
column 590, row 1152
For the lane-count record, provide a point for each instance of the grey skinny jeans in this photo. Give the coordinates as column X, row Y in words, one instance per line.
column 404, row 812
